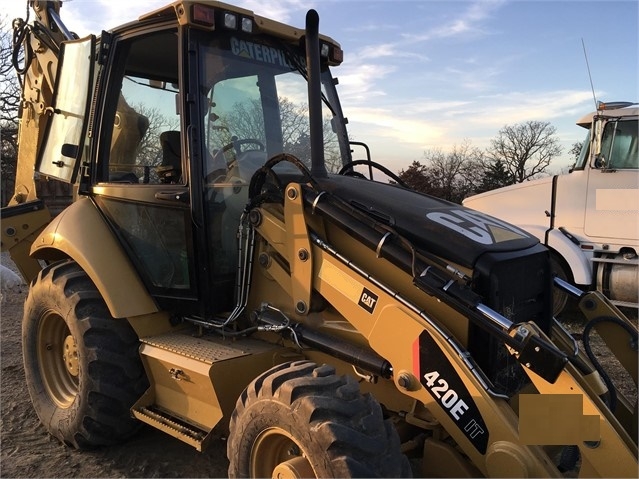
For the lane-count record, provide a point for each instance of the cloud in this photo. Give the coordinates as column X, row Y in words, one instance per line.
column 517, row 107
column 468, row 22
column 380, row 50
column 399, row 134
column 85, row 17
column 285, row 11
column 409, row 127
column 362, row 77
column 369, row 27
column 481, row 118
column 358, row 83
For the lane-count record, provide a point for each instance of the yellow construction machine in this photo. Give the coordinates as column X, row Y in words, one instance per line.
column 226, row 264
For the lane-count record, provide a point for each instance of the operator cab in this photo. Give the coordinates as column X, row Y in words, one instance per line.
column 186, row 116
column 617, row 147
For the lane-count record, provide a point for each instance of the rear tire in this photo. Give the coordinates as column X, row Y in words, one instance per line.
column 82, row 367
column 300, row 420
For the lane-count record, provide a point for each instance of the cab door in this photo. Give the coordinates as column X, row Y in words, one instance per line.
column 140, row 175
column 612, row 207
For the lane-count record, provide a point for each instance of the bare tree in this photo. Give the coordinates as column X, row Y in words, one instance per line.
column 9, row 104
column 9, row 85
column 526, row 149
column 294, row 121
column 247, row 122
column 575, row 152
column 450, row 175
column 149, row 151
column 455, row 172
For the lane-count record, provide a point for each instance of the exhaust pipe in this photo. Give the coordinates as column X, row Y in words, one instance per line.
column 318, row 168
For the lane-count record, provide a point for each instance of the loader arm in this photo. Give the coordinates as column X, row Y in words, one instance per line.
column 437, row 371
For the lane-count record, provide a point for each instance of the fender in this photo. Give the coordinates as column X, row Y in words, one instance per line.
column 81, row 233
column 577, row 261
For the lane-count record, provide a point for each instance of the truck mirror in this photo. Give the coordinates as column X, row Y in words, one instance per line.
column 600, row 161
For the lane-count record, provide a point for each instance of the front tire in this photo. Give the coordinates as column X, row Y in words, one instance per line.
column 559, row 298
column 82, row 367
column 300, row 420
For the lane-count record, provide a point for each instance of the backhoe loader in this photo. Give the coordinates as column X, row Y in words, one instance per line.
column 226, row 265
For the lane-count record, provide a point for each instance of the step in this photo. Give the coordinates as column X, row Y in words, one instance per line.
column 165, row 422
column 195, row 380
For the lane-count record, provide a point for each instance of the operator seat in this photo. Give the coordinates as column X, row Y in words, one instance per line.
column 129, row 128
column 171, row 168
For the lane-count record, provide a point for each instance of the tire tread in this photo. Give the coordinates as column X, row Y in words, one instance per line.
column 115, row 377
column 350, row 425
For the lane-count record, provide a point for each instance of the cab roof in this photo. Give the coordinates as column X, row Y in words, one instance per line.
column 183, row 10
column 612, row 109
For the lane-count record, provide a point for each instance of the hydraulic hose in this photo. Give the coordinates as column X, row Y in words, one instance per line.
column 434, row 281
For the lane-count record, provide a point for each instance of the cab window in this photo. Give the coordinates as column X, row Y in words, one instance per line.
column 619, row 145
column 145, row 140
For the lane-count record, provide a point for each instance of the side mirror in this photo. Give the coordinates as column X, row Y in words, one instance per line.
column 600, row 161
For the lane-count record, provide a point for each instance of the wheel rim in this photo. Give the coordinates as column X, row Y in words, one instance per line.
column 277, row 455
column 58, row 360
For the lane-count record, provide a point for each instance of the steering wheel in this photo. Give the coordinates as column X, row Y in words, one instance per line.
column 237, row 145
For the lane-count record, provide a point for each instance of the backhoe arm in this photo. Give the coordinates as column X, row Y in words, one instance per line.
column 36, row 49
column 40, row 45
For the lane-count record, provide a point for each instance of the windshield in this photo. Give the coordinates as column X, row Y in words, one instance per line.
column 619, row 145
column 584, row 154
column 255, row 104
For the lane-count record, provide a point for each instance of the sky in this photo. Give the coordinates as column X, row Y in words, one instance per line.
column 421, row 75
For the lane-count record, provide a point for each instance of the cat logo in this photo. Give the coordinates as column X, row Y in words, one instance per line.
column 477, row 226
column 368, row 300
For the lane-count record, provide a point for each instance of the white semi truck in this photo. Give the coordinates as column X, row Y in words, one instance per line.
column 588, row 218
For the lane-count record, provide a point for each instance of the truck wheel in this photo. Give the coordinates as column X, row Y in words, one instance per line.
column 82, row 367
column 300, row 420
column 559, row 298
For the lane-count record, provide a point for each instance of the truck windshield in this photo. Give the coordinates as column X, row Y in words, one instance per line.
column 584, row 154
column 619, row 144
column 254, row 99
